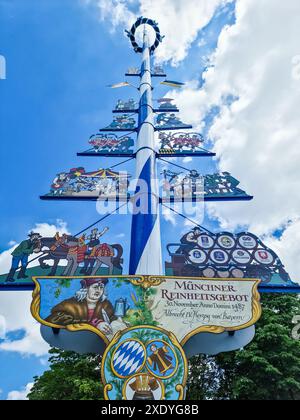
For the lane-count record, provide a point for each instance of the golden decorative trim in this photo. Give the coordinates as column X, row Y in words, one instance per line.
column 181, row 391
column 107, row 388
column 147, row 281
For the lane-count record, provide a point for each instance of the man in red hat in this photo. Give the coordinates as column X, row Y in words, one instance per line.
column 89, row 306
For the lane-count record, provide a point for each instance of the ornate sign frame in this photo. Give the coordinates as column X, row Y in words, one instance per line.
column 147, row 282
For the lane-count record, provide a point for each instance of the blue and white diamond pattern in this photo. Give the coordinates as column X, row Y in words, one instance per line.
column 129, row 358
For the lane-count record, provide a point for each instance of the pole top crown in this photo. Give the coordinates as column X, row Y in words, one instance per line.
column 144, row 21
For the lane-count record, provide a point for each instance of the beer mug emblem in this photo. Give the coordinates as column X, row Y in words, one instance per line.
column 121, row 307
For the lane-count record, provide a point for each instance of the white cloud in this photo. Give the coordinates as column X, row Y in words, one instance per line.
column 288, row 249
column 15, row 309
column 20, row 395
column 5, row 260
column 15, row 306
column 2, row 327
column 43, row 229
column 192, row 104
column 179, row 20
column 117, row 11
column 257, row 137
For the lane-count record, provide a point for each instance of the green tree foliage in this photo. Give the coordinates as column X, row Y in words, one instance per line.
column 204, row 378
column 70, row 377
column 267, row 369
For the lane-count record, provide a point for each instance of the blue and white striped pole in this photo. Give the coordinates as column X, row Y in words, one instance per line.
column 145, row 252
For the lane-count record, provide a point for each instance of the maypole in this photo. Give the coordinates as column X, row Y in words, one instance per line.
column 145, row 249
column 146, row 323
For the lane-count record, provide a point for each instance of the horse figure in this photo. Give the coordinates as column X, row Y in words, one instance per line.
column 57, row 250
column 72, row 250
column 103, row 254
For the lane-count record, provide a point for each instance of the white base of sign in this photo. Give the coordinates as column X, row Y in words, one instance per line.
column 81, row 342
column 84, row 342
column 212, row 344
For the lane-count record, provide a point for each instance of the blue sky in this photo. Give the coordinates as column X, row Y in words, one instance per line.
column 60, row 58
column 55, row 97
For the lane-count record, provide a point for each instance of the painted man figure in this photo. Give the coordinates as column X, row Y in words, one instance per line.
column 59, row 183
column 76, row 253
column 189, row 240
column 125, row 145
column 92, row 246
column 165, row 140
column 21, row 254
column 89, row 306
column 160, row 360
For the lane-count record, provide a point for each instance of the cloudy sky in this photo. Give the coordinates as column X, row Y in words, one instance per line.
column 241, row 62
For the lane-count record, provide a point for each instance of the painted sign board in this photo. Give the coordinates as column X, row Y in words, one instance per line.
column 192, row 186
column 123, row 122
column 109, row 145
column 143, row 325
column 157, row 71
column 198, row 253
column 182, row 144
column 224, row 255
column 133, row 71
column 104, row 184
column 62, row 255
column 185, row 306
column 125, row 107
column 166, row 105
column 169, row 121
